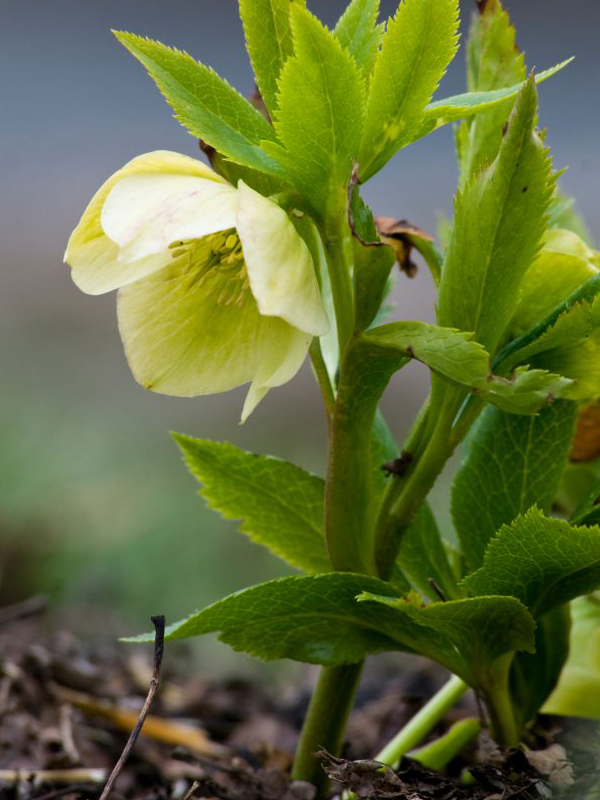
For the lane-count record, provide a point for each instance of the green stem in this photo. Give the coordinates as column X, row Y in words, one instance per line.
column 439, row 753
column 420, row 725
column 503, row 724
column 325, row 722
column 339, row 256
column 413, row 445
column 333, row 698
column 400, row 510
column 348, row 487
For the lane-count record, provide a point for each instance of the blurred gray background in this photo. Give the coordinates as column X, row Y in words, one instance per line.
column 95, row 506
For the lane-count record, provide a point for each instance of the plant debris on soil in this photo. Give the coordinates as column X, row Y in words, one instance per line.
column 67, row 708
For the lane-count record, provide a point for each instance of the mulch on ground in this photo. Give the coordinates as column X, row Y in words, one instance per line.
column 66, row 709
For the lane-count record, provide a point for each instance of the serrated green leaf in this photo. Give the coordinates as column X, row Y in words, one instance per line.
column 466, row 636
column 280, row 505
column 461, row 106
column 455, row 356
column 499, row 222
column 422, row 556
column 206, row 105
column 494, row 63
column 541, row 561
column 320, row 112
column 449, row 352
column 359, row 34
column 314, row 619
column 511, row 354
column 418, row 45
column 318, row 619
column 527, row 390
column 269, row 42
column 578, row 690
column 573, row 326
column 512, row 463
column 259, row 181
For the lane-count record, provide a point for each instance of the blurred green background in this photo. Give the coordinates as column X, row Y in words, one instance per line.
column 96, row 508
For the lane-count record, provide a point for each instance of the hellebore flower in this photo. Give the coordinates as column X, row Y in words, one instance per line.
column 216, row 287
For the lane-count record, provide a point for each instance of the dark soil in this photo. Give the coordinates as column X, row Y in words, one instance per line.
column 66, row 709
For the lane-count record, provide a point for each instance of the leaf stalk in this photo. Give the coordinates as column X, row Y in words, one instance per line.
column 422, row 723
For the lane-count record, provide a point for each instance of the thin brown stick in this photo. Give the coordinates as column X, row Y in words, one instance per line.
column 159, row 642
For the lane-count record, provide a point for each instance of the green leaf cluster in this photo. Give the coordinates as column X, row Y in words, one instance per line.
column 356, row 94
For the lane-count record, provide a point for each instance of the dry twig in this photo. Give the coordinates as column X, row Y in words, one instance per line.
column 159, row 642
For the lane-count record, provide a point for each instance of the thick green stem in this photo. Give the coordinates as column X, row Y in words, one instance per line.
column 338, row 246
column 503, row 724
column 325, row 722
column 333, row 698
column 420, row 725
column 438, row 754
column 348, row 489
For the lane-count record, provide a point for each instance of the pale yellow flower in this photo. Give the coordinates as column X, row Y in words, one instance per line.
column 216, row 286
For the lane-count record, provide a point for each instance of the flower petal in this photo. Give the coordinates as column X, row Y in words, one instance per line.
column 278, row 366
column 179, row 341
column 144, row 214
column 92, row 256
column 280, row 268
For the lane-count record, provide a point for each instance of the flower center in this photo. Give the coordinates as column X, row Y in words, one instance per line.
column 217, row 263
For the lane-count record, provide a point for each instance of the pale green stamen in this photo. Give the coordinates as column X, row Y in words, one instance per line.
column 223, row 273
